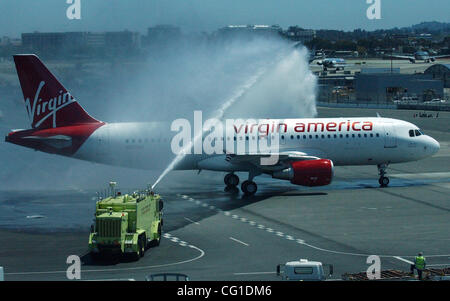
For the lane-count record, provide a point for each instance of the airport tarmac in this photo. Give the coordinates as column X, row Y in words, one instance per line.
column 210, row 234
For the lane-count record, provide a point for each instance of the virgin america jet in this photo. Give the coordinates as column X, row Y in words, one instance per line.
column 308, row 149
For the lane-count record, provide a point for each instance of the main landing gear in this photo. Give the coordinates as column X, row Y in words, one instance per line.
column 384, row 181
column 248, row 187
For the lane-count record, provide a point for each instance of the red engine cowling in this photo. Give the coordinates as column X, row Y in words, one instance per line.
column 308, row 173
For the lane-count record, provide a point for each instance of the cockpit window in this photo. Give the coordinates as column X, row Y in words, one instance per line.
column 411, row 133
column 418, row 132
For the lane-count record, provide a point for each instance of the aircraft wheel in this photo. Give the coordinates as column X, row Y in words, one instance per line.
column 249, row 187
column 231, row 179
column 384, row 181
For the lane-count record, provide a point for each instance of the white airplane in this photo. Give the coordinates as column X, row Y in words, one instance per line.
column 419, row 56
column 308, row 148
column 337, row 63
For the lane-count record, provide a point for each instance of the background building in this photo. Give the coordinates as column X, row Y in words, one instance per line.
column 75, row 43
column 245, row 30
column 440, row 71
column 296, row 33
column 389, row 87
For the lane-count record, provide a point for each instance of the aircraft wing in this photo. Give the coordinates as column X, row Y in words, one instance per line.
column 441, row 56
column 400, row 57
column 274, row 161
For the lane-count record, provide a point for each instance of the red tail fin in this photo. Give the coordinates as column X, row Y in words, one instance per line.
column 48, row 103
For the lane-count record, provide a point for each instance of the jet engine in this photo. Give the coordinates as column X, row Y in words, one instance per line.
column 308, row 173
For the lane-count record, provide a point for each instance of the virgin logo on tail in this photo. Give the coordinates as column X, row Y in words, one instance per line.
column 46, row 108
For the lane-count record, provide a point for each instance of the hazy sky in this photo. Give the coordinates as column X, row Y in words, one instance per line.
column 17, row 16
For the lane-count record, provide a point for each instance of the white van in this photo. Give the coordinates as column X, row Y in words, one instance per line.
column 303, row 270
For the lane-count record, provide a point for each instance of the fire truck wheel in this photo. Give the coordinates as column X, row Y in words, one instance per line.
column 141, row 246
column 158, row 240
column 95, row 256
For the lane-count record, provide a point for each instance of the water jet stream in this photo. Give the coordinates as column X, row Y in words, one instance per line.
column 219, row 113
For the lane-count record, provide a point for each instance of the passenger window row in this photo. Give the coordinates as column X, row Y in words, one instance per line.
column 328, row 136
column 152, row 140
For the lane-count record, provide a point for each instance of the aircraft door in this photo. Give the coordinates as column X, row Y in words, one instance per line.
column 390, row 138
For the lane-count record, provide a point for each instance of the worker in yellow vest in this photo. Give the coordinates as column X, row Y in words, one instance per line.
column 419, row 265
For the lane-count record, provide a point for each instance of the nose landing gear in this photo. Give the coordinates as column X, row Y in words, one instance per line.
column 383, row 180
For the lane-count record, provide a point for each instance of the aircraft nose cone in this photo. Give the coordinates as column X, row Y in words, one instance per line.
column 433, row 146
column 436, row 146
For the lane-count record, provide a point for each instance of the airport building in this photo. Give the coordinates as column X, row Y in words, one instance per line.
column 45, row 41
column 55, row 41
column 122, row 39
column 299, row 34
column 241, row 30
column 440, row 71
column 383, row 86
column 162, row 32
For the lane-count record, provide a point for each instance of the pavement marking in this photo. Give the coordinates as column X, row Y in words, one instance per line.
column 441, row 155
column 427, row 175
column 438, row 264
column 403, row 259
column 254, row 273
column 167, row 235
column 302, row 242
column 443, row 185
column 241, row 242
column 188, row 219
column 118, row 279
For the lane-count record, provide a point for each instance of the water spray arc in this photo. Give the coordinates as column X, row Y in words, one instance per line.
column 277, row 63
